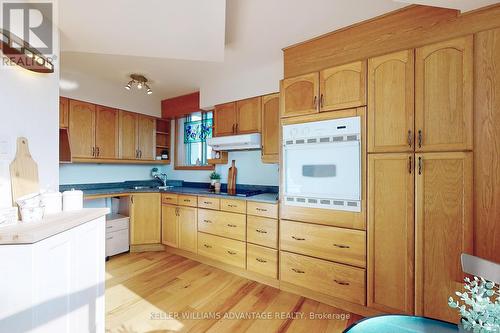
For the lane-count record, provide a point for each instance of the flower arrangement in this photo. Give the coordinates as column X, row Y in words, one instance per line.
column 480, row 310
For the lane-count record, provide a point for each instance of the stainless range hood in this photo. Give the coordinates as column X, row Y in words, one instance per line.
column 235, row 142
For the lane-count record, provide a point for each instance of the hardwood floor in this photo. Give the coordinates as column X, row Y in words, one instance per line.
column 162, row 292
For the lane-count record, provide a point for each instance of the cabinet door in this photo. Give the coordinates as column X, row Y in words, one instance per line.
column 169, row 225
column 248, row 113
column 443, row 95
column 145, row 219
column 106, row 132
column 82, row 129
column 188, row 228
column 391, row 232
column 225, row 119
column 390, row 102
column 270, row 128
column 343, row 87
column 63, row 112
column 299, row 95
column 147, row 137
column 127, row 133
column 443, row 229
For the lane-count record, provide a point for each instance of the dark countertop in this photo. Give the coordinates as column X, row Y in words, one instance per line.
column 111, row 189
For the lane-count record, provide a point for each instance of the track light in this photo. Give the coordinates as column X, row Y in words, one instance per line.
column 140, row 81
column 129, row 85
column 148, row 89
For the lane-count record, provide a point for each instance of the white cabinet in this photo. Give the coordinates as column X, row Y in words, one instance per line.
column 117, row 234
column 55, row 285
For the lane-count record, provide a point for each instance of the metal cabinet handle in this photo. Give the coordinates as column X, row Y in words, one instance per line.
column 93, row 151
column 298, row 271
column 409, row 164
column 207, row 202
column 140, row 153
column 137, row 153
column 231, row 225
column 232, row 206
column 207, row 221
column 207, row 246
column 342, row 246
column 410, row 138
column 109, row 227
column 419, row 165
column 261, row 260
column 298, row 238
column 261, row 209
column 98, row 151
column 231, row 252
column 186, row 200
column 261, row 231
column 420, row 139
column 342, row 283
column 315, row 102
column 233, row 130
column 237, row 128
column 321, row 101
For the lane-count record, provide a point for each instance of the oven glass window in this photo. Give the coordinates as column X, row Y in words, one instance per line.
column 319, row 171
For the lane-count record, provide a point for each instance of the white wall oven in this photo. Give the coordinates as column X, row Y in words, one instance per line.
column 322, row 164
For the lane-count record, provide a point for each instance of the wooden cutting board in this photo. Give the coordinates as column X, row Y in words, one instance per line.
column 23, row 171
column 231, row 178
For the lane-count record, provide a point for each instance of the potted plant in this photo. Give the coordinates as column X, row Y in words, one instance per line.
column 215, row 181
column 479, row 306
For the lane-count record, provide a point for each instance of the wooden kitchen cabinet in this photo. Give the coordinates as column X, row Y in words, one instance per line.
column 145, row 219
column 343, row 87
column 248, row 113
column 391, row 232
column 444, row 95
column 444, row 229
column 391, row 102
column 82, row 129
column 299, row 95
column 270, row 128
column 106, row 132
column 63, row 112
column 146, row 133
column 188, row 228
column 169, row 226
column 128, row 135
column 225, row 119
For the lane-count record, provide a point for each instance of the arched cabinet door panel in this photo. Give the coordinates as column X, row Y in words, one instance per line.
column 299, row 95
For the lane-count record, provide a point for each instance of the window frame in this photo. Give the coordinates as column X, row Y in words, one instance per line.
column 176, row 159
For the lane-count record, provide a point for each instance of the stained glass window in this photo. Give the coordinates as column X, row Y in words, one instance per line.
column 197, row 130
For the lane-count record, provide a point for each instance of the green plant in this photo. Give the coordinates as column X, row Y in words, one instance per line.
column 480, row 310
column 214, row 176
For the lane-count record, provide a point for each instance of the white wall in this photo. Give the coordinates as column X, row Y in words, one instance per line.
column 30, row 107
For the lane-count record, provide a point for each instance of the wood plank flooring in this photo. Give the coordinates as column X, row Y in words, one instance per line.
column 161, row 292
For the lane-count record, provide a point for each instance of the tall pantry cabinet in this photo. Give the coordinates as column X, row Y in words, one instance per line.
column 419, row 177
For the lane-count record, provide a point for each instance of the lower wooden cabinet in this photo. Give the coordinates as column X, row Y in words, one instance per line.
column 336, row 280
column 227, row 251
column 145, row 212
column 230, row 225
column 262, row 260
column 179, row 227
column 169, row 226
column 262, row 231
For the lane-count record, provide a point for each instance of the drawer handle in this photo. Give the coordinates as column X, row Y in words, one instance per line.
column 207, row 221
column 261, row 231
column 109, row 227
column 111, row 237
column 261, row 209
column 186, row 200
column 231, row 252
column 261, row 260
column 341, row 246
column 298, row 238
column 232, row 206
column 207, row 246
column 232, row 225
column 207, row 202
column 299, row 271
column 342, row 283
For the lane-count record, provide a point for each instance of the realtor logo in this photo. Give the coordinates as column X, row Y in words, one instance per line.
column 31, row 22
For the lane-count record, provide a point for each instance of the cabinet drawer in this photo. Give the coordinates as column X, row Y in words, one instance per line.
column 231, row 225
column 337, row 244
column 187, row 200
column 225, row 250
column 117, row 224
column 117, row 242
column 337, row 280
column 235, row 206
column 210, row 203
column 169, row 198
column 262, row 231
column 262, row 209
column 262, row 260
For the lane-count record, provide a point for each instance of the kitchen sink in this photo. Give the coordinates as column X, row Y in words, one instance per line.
column 151, row 187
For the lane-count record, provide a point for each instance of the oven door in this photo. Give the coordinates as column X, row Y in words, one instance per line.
column 325, row 175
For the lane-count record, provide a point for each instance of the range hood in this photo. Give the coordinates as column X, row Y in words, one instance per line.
column 235, row 142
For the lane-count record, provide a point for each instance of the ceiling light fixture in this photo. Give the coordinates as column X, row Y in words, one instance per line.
column 139, row 81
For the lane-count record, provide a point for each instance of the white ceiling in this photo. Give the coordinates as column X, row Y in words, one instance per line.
column 177, row 44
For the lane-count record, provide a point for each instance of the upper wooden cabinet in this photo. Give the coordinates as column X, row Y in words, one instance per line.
column 145, row 216
column 443, row 95
column 299, row 95
column 391, row 232
column 343, row 87
column 270, row 128
column 128, row 141
column 63, row 112
column 391, row 102
column 248, row 113
column 146, row 135
column 106, row 132
column 444, row 229
column 225, row 119
column 82, row 129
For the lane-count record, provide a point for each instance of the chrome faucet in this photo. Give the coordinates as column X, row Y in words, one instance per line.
column 160, row 176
